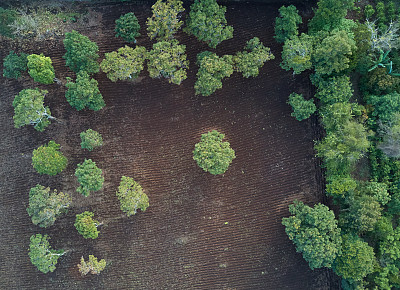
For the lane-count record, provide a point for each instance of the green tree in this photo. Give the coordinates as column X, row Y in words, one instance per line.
column 124, row 64
column 339, row 185
column 385, row 106
column 91, row 139
column 14, row 65
column 212, row 69
column 377, row 190
column 30, row 110
column 213, row 155
column 302, row 108
column 164, row 22
column 7, row 17
column 286, row 25
column 207, row 22
column 131, row 196
column 389, row 249
column 368, row 11
column 315, row 233
column 90, row 177
column 45, row 206
column 84, row 93
column 127, row 27
column 168, row 59
column 93, row 266
column 41, row 254
column 250, row 61
column 41, row 68
column 81, row 53
column 87, row 226
column 335, row 116
column 356, row 260
column 333, row 90
column 48, row 159
column 297, row 53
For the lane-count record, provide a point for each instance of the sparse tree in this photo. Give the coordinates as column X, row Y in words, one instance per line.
column 41, row 68
column 14, row 65
column 302, row 108
column 41, row 254
column 91, row 139
column 47, row 159
column 127, row 27
column 90, row 177
column 93, row 266
column 45, row 206
column 86, row 225
column 297, row 53
column 131, row 196
column 286, row 25
column 390, row 144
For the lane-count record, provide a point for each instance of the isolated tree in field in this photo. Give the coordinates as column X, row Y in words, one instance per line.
column 91, row 139
column 286, row 25
column 164, row 22
column 87, row 226
column 47, row 159
column 84, row 93
column 131, row 196
column 90, row 177
column 315, row 233
column 30, row 110
column 124, row 64
column 41, row 254
column 213, row 155
column 93, row 266
column 127, row 27
column 212, row 69
column 81, row 53
column 14, row 65
column 168, row 59
column 250, row 61
column 41, row 68
column 297, row 53
column 207, row 22
column 45, row 206
column 302, row 108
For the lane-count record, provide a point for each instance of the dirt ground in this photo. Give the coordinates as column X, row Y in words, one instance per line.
column 200, row 231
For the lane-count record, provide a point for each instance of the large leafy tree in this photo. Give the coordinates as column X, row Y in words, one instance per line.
column 14, row 65
column 91, row 139
column 213, row 155
column 45, row 206
column 41, row 68
column 127, row 27
column 92, row 265
column 207, row 22
column 47, row 159
column 315, row 233
column 90, row 177
column 302, row 108
column 86, row 225
column 168, row 59
column 29, row 109
column 124, row 64
column 253, row 58
column 41, row 254
column 81, row 53
column 286, row 25
column 297, row 53
column 333, row 90
column 131, row 196
column 212, row 69
column 164, row 22
column 84, row 93
column 385, row 106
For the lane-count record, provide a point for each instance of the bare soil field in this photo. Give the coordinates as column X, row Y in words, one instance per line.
column 200, row 231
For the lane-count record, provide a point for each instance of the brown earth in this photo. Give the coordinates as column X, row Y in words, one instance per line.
column 200, row 231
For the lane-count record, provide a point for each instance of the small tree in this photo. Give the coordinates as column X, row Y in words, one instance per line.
column 250, row 61
column 164, row 22
column 87, row 226
column 14, row 65
column 168, row 59
column 84, row 93
column 89, row 177
column 41, row 68
column 91, row 139
column 81, row 53
column 207, row 22
column 297, row 53
column 213, row 155
column 93, row 266
column 127, row 27
column 30, row 110
column 41, row 254
column 48, row 159
column 286, row 25
column 131, row 196
column 124, row 64
column 45, row 206
column 302, row 109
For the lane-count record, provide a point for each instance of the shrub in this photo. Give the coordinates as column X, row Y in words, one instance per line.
column 127, row 27
column 48, row 159
column 91, row 139
column 302, row 109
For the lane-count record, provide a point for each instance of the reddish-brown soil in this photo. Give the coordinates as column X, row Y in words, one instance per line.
column 200, row 231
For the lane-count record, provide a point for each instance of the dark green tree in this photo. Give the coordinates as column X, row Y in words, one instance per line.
column 385, row 106
column 127, row 27
column 14, row 65
column 41, row 68
column 86, row 225
column 302, row 108
column 90, row 177
column 41, row 254
column 91, row 139
column 297, row 53
column 286, row 25
column 368, row 11
column 47, row 159
column 333, row 90
column 7, row 17
column 131, row 196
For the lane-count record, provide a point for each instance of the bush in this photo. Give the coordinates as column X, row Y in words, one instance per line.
column 14, row 65
column 302, row 109
column 48, row 159
column 90, row 177
column 131, row 196
column 91, row 139
column 127, row 27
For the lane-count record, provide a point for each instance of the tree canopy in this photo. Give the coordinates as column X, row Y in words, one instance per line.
column 131, row 196
column 297, row 53
column 86, row 225
column 302, row 108
column 47, row 159
column 92, row 265
column 41, row 68
column 14, row 65
column 90, row 177
column 286, row 25
column 91, row 139
column 127, row 27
